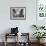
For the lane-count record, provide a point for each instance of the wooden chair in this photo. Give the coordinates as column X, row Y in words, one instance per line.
column 25, row 36
column 8, row 34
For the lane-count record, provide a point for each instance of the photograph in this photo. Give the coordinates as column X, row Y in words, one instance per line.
column 18, row 13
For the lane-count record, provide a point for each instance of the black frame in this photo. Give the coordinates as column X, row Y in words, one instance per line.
column 24, row 18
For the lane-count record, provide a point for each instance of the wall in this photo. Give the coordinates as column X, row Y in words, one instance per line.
column 24, row 25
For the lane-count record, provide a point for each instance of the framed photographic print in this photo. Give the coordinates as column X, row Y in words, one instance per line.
column 41, row 8
column 18, row 13
column 41, row 12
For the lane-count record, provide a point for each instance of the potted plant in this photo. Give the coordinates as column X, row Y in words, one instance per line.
column 39, row 35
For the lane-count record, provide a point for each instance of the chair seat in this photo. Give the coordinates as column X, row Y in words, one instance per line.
column 9, row 34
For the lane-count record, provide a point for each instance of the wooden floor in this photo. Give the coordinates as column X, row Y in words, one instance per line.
column 13, row 44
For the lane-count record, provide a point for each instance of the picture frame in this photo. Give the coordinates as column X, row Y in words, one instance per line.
column 18, row 13
column 41, row 8
column 41, row 12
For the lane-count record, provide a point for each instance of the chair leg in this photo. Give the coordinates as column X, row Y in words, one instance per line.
column 5, row 43
column 5, row 39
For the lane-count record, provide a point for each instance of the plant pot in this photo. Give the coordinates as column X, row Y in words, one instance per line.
column 40, row 41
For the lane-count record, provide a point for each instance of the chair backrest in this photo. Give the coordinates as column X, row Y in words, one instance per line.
column 14, row 30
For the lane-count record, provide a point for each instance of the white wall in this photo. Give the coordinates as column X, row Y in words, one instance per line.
column 24, row 25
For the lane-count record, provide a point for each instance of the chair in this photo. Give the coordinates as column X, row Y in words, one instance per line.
column 14, row 32
column 7, row 35
column 26, row 41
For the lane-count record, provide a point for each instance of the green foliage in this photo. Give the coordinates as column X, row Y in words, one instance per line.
column 40, row 27
column 35, row 27
column 39, row 35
